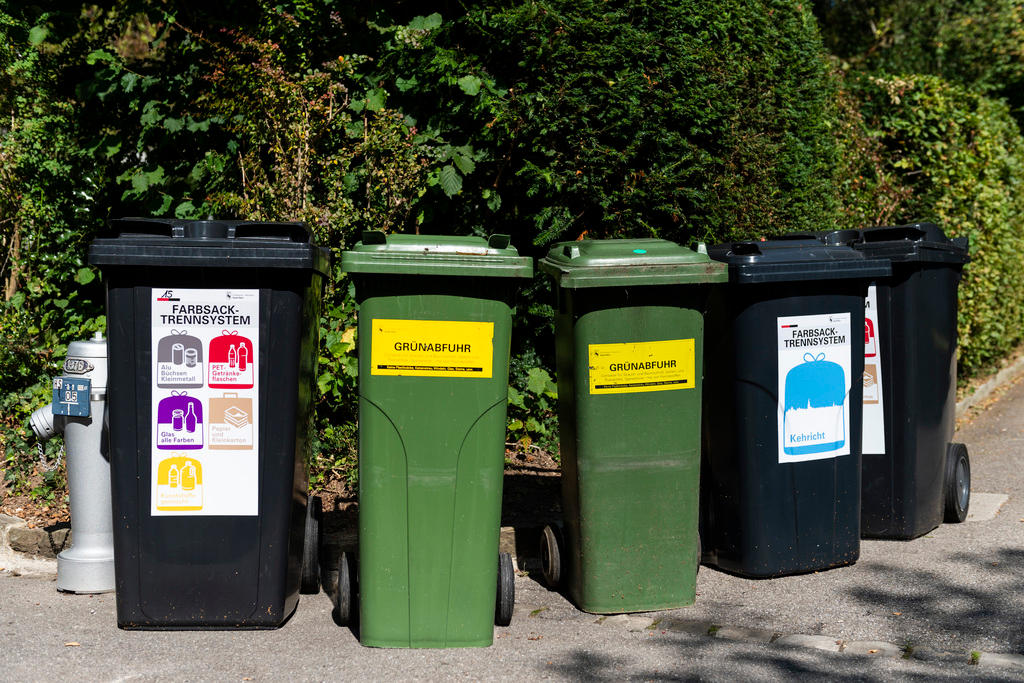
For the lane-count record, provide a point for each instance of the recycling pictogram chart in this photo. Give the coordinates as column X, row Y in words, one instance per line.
column 205, row 388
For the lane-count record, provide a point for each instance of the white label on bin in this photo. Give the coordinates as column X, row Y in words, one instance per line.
column 205, row 389
column 814, row 384
column 873, row 432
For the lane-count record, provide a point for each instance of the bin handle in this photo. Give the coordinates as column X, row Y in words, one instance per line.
column 145, row 227
column 293, row 232
column 745, row 248
column 912, row 232
column 498, row 241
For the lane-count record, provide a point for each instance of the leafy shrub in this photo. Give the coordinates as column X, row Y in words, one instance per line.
column 130, row 109
column 954, row 157
column 679, row 119
column 973, row 43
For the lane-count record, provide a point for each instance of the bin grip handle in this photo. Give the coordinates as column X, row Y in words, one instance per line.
column 145, row 227
column 745, row 248
column 912, row 232
column 293, row 232
column 498, row 241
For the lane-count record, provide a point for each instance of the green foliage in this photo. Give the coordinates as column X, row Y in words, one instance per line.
column 678, row 119
column 544, row 119
column 973, row 43
column 531, row 411
column 956, row 158
column 134, row 109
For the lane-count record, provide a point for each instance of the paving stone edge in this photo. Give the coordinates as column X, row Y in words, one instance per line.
column 840, row 646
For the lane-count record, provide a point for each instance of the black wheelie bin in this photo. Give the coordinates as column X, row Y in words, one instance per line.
column 914, row 477
column 212, row 329
column 780, row 471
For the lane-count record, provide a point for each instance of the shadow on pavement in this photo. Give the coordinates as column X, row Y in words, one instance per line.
column 978, row 603
column 711, row 660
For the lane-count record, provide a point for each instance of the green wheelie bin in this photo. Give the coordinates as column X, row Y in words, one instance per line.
column 629, row 353
column 435, row 319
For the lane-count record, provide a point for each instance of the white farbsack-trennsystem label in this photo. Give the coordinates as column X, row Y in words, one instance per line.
column 205, row 389
column 814, row 383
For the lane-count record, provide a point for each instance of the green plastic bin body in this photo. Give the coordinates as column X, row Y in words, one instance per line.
column 435, row 319
column 629, row 351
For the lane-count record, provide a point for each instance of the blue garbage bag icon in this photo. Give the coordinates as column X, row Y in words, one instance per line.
column 814, row 420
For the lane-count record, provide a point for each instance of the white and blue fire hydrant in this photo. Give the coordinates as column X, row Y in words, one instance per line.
column 79, row 412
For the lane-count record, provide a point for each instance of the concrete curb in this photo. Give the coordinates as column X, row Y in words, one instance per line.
column 1003, row 377
column 14, row 534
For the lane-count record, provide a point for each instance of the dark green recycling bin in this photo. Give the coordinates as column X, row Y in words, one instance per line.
column 435, row 319
column 212, row 338
column 630, row 341
column 914, row 477
column 780, row 489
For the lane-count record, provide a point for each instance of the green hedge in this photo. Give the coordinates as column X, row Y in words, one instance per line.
column 685, row 120
column 546, row 119
column 921, row 149
column 973, row 43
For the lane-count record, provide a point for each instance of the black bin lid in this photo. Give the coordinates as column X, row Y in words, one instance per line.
column 800, row 257
column 920, row 242
column 168, row 243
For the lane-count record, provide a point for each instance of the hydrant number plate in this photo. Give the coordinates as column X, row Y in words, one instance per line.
column 71, row 396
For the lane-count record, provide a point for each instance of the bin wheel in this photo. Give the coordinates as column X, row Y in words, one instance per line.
column 310, row 582
column 551, row 556
column 958, row 483
column 506, row 599
column 343, row 608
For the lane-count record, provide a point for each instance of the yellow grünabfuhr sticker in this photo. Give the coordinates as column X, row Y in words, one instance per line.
column 641, row 366
column 431, row 348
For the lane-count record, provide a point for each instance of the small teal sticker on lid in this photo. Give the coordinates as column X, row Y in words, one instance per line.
column 639, row 251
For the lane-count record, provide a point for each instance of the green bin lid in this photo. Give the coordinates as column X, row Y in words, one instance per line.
column 378, row 253
column 629, row 262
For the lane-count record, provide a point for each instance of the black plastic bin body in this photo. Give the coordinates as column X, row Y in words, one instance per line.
column 780, row 471
column 912, row 376
column 215, row 540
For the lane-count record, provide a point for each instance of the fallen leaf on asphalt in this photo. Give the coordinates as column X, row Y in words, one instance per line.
column 72, row 644
column 897, row 613
column 535, row 637
column 872, row 652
